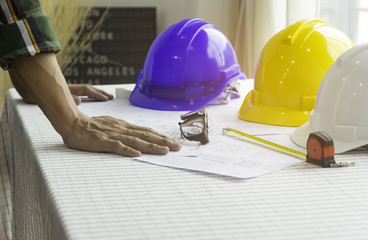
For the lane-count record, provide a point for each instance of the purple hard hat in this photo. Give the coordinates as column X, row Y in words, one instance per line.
column 188, row 65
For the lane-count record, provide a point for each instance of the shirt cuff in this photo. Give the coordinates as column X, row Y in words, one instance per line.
column 26, row 37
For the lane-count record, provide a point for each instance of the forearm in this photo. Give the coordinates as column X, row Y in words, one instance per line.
column 42, row 78
column 18, row 85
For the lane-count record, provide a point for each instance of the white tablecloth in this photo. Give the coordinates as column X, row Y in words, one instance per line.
column 6, row 162
column 59, row 193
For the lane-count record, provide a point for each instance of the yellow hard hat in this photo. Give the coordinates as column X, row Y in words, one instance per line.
column 289, row 71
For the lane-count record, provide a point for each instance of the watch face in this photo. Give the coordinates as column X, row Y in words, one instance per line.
column 195, row 126
column 192, row 127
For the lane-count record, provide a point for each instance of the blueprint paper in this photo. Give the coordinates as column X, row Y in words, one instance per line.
column 224, row 154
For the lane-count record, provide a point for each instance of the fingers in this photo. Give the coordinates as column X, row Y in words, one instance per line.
column 89, row 91
column 97, row 94
column 108, row 134
column 142, row 141
column 143, row 146
column 146, row 129
column 129, row 146
column 119, row 148
column 144, row 133
column 151, row 136
column 77, row 99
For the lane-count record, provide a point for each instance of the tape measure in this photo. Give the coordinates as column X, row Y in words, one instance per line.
column 320, row 148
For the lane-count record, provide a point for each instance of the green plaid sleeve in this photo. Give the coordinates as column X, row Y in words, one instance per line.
column 24, row 30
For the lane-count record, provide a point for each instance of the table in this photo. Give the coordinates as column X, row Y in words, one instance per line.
column 60, row 193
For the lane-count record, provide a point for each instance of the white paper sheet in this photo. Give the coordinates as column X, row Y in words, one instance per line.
column 225, row 154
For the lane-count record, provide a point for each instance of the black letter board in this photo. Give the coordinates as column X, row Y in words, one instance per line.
column 119, row 48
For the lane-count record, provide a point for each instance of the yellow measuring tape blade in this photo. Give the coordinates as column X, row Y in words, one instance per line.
column 275, row 145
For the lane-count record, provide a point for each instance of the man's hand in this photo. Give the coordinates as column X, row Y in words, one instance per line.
column 42, row 78
column 76, row 90
column 108, row 134
column 88, row 90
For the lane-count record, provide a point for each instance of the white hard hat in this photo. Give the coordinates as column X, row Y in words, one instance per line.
column 341, row 108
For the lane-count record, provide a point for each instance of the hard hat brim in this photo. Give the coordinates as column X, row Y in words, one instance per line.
column 139, row 99
column 301, row 134
column 271, row 115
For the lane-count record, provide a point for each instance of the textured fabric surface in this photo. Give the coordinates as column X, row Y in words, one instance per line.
column 5, row 173
column 59, row 193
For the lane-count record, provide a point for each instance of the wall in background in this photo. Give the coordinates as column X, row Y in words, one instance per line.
column 125, row 51
column 217, row 12
column 350, row 17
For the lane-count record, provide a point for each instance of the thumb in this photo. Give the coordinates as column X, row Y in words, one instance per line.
column 77, row 99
